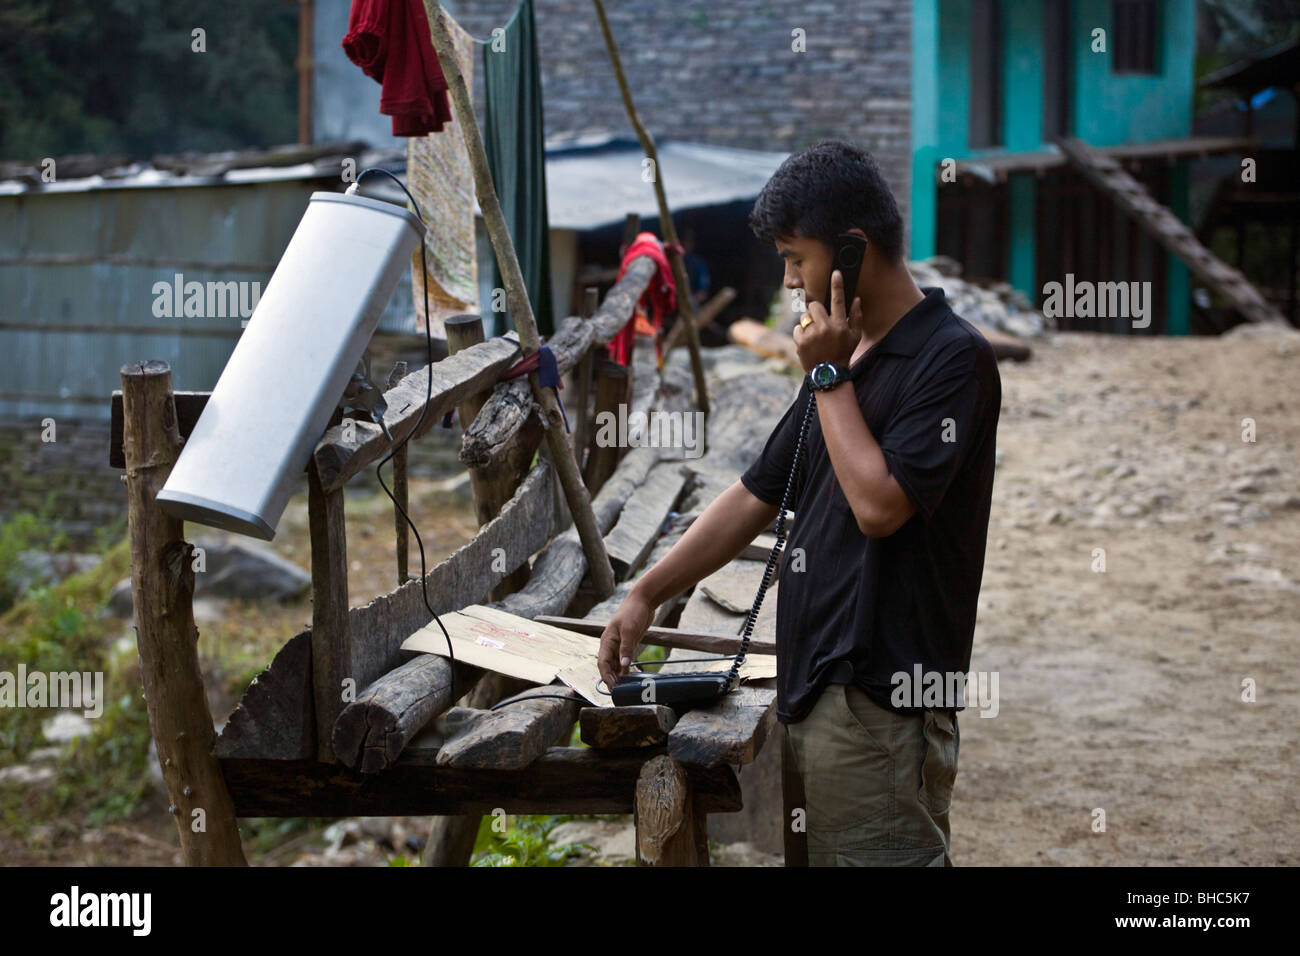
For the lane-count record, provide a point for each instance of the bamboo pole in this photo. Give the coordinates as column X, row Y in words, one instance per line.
column 685, row 309
column 162, row 583
column 557, row 439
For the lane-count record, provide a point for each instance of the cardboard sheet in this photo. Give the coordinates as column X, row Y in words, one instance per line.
column 513, row 645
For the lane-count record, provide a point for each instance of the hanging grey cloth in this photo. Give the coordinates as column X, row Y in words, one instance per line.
column 514, row 135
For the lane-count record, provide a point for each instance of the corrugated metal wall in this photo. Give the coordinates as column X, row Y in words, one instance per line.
column 78, row 271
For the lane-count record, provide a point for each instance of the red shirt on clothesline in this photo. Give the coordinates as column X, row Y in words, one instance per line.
column 391, row 42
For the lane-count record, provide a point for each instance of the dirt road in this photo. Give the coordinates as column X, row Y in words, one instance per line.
column 1122, row 690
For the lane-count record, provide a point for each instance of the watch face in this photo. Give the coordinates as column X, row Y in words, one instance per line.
column 822, row 374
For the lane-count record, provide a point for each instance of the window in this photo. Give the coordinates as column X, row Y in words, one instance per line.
column 1133, row 36
column 985, row 74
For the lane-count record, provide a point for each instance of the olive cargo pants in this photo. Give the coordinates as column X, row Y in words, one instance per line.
column 874, row 786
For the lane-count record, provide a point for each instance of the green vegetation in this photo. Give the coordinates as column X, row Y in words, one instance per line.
column 102, row 775
column 26, row 531
column 525, row 842
column 126, row 77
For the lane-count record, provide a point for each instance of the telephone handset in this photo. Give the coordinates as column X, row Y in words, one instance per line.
column 702, row 687
column 846, row 255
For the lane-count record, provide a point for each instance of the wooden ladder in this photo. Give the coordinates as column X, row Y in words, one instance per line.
column 1107, row 175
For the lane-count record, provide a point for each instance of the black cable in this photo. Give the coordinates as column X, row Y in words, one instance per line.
column 733, row 675
column 428, row 339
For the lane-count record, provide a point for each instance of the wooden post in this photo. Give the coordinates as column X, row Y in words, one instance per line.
column 557, row 438
column 306, row 69
column 493, row 485
column 451, row 838
column 631, row 227
column 670, row 829
column 582, row 377
column 708, row 312
column 613, row 388
column 331, row 645
column 162, row 585
column 401, row 492
column 685, row 308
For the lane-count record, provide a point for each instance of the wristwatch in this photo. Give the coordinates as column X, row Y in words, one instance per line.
column 825, row 376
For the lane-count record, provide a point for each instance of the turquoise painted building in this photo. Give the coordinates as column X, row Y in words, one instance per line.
column 994, row 82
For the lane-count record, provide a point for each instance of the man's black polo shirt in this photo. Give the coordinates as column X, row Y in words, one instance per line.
column 862, row 609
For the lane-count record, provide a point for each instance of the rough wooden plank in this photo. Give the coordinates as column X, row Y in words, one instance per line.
column 563, row 780
column 341, row 454
column 331, row 639
column 642, row 519
column 730, row 731
column 665, row 636
column 465, row 577
column 514, row 736
column 511, row 402
column 274, row 720
column 735, row 585
column 189, row 406
column 608, row 728
column 372, row 730
column 759, row 548
column 762, row 340
column 705, row 615
column 645, row 374
column 559, row 569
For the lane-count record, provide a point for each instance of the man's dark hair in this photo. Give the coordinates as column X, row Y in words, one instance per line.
column 825, row 189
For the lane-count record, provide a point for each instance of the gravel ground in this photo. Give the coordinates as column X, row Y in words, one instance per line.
column 1122, row 691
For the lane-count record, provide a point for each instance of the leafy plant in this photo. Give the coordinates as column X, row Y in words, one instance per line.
column 26, row 531
column 525, row 842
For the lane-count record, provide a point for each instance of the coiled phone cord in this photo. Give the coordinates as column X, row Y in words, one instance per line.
column 733, row 675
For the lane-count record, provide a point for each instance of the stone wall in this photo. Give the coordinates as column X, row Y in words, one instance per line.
column 723, row 73
column 86, row 494
column 72, row 471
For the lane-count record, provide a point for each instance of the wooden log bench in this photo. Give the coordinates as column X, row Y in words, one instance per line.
column 401, row 747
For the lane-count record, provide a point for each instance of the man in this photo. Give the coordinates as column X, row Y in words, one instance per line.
column 891, row 499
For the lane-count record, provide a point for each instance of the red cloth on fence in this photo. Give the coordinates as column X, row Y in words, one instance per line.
column 660, row 295
column 390, row 41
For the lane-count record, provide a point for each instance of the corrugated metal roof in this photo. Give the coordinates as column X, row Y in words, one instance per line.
column 592, row 185
column 590, row 182
column 80, row 258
